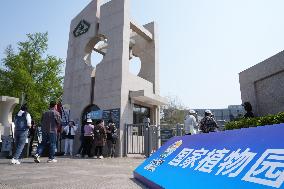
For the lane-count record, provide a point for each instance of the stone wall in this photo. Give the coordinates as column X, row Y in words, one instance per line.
column 263, row 85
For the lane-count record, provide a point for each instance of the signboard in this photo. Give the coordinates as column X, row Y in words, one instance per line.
column 95, row 114
column 65, row 110
column 251, row 158
column 113, row 115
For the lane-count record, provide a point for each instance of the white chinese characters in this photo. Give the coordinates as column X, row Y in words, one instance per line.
column 235, row 163
column 196, row 155
column 183, row 154
column 211, row 160
column 268, row 169
column 159, row 161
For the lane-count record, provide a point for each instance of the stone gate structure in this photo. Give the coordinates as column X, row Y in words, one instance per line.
column 109, row 90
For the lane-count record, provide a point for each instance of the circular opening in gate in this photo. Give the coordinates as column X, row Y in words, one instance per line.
column 135, row 65
column 96, row 50
column 96, row 58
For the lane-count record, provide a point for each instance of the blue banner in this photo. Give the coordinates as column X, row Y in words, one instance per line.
column 251, row 158
column 95, row 114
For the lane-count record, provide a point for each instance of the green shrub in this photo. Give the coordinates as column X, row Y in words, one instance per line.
column 254, row 122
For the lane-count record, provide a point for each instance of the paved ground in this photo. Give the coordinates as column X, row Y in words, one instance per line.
column 70, row 173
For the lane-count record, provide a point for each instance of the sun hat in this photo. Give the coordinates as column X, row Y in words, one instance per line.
column 208, row 112
column 89, row 121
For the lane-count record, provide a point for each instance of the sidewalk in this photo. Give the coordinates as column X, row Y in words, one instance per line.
column 70, row 174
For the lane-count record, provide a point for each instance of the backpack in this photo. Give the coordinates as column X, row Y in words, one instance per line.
column 210, row 124
column 21, row 123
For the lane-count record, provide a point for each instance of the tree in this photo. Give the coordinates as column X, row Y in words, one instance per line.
column 174, row 112
column 31, row 72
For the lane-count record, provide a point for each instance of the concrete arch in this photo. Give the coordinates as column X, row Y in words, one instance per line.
column 88, row 109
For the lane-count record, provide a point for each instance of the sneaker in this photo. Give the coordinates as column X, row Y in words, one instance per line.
column 101, row 157
column 78, row 155
column 51, row 161
column 15, row 161
column 36, row 158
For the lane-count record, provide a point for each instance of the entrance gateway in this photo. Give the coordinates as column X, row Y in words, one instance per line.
column 109, row 87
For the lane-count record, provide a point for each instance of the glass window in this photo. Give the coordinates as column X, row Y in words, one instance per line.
column 139, row 112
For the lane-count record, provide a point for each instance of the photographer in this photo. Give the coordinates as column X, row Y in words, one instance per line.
column 70, row 130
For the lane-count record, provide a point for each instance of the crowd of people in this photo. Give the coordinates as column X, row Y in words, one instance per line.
column 93, row 137
column 96, row 137
column 207, row 123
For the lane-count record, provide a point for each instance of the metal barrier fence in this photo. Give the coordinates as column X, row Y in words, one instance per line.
column 135, row 138
column 141, row 139
column 170, row 130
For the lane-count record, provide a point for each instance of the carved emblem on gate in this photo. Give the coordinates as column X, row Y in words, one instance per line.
column 81, row 28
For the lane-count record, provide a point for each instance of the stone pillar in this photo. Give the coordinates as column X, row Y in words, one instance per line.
column 7, row 105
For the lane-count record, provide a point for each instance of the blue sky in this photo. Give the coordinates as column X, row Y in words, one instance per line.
column 204, row 44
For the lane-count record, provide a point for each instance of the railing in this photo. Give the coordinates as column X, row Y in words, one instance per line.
column 145, row 139
column 135, row 138
column 170, row 130
column 141, row 139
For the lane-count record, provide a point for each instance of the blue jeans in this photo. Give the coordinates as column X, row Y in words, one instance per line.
column 47, row 139
column 20, row 140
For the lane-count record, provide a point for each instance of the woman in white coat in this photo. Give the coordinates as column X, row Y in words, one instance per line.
column 70, row 131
